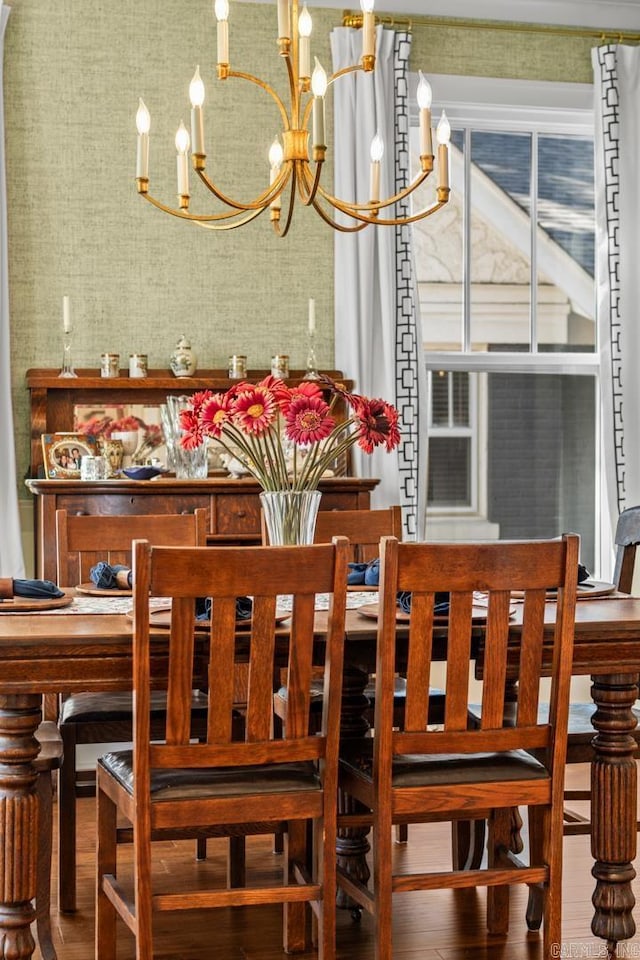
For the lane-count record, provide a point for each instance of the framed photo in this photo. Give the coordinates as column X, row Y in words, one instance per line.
column 63, row 453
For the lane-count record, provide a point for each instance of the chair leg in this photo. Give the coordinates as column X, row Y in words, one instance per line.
column 402, row 833
column 382, row 885
column 294, row 913
column 498, row 897
column 535, row 904
column 552, row 853
column 44, row 789
column 236, row 872
column 67, row 822
column 106, row 916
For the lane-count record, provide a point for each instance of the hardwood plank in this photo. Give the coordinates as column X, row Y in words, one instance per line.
column 437, row 925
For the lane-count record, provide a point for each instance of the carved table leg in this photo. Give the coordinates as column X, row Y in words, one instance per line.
column 19, row 718
column 613, row 808
column 352, row 845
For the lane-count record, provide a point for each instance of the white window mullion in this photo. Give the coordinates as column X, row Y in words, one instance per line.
column 533, row 303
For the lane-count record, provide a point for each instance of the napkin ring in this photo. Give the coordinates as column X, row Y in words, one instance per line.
column 6, row 588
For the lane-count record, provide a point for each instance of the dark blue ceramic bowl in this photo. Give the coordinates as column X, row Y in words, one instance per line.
column 142, row 473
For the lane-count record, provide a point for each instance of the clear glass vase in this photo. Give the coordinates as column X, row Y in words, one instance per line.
column 290, row 515
column 187, row 464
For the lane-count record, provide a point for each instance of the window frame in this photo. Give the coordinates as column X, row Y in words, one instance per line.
column 541, row 108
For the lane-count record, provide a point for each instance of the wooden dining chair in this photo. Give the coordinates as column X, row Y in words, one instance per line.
column 416, row 774
column 102, row 717
column 181, row 788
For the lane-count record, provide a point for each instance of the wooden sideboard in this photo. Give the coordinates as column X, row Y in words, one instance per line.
column 233, row 506
column 53, row 398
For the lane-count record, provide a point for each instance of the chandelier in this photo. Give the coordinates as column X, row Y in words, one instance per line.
column 298, row 152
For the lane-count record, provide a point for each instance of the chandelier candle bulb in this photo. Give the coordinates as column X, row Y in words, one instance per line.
column 443, row 135
column 304, row 29
column 143, row 122
column 196, row 95
column 424, row 104
column 222, row 16
column 275, row 161
column 284, row 28
column 318, row 88
column 66, row 315
column 377, row 151
column 182, row 146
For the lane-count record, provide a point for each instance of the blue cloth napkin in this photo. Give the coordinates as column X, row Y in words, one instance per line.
column 105, row 576
column 364, row 573
column 440, row 609
column 36, row 589
column 244, row 608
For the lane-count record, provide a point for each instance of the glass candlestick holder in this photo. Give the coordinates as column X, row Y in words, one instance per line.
column 312, row 363
column 67, row 361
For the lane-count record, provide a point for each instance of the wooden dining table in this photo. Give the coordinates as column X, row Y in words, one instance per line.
column 65, row 652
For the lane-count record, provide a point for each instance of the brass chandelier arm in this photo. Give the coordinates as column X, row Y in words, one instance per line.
column 367, row 213
column 312, row 200
column 308, row 183
column 261, row 201
column 231, row 226
column 268, row 89
column 184, row 214
column 397, row 221
column 283, row 231
column 356, row 228
column 204, row 219
column 369, row 208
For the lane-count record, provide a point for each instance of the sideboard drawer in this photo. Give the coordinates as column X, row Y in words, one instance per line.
column 237, row 514
column 132, row 505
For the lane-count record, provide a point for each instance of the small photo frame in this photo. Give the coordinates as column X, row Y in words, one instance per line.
column 63, row 453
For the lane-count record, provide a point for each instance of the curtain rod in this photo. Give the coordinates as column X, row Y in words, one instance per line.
column 353, row 19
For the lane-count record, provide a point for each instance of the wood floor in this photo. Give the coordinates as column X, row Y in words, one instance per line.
column 441, row 925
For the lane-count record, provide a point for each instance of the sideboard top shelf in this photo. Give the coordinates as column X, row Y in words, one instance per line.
column 44, row 379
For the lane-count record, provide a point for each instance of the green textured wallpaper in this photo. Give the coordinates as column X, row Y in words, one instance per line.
column 137, row 278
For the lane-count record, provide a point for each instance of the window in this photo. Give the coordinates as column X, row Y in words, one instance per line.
column 505, row 277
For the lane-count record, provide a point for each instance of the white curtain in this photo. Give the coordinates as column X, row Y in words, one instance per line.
column 11, row 560
column 377, row 330
column 617, row 141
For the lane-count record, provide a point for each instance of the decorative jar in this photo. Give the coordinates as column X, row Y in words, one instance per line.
column 183, row 361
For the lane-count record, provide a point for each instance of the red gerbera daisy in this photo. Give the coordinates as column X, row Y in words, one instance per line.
column 308, row 420
column 254, row 410
column 378, row 425
column 278, row 388
column 190, row 423
column 214, row 414
column 199, row 399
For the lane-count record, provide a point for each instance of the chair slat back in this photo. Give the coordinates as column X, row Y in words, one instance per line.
column 627, row 540
column 363, row 528
column 222, row 574
column 82, row 541
column 464, row 570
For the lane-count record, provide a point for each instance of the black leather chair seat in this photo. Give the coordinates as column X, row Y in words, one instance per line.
column 440, row 769
column 215, row 782
column 100, row 707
